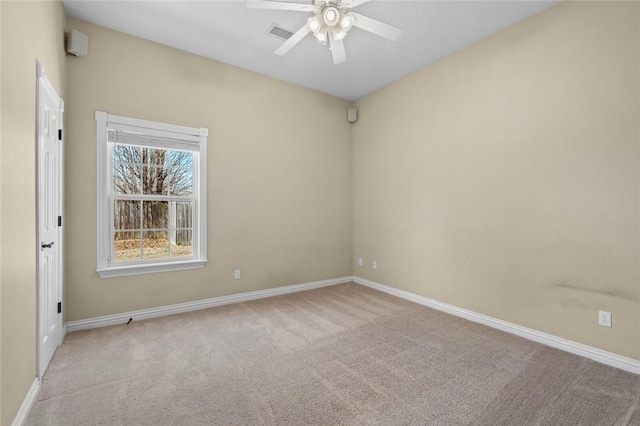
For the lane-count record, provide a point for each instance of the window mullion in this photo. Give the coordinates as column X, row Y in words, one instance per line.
column 111, row 229
column 141, row 230
column 150, row 197
column 169, row 222
column 110, row 207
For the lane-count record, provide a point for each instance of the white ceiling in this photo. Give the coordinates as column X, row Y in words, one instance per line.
column 229, row 32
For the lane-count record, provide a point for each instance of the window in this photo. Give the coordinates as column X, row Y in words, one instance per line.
column 151, row 196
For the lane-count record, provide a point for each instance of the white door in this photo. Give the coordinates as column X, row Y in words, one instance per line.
column 50, row 108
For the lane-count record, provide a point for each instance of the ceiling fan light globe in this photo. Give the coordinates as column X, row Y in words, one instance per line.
column 338, row 34
column 314, row 25
column 347, row 21
column 331, row 16
column 321, row 36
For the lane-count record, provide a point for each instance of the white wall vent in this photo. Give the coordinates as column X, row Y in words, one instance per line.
column 279, row 32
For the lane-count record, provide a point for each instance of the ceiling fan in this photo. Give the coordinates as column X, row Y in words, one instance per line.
column 330, row 21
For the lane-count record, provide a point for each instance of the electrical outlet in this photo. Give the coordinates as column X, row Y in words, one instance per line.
column 374, row 264
column 604, row 318
column 360, row 261
column 236, row 274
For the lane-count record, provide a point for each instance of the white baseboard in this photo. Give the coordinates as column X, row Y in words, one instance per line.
column 27, row 403
column 198, row 304
column 599, row 355
column 604, row 357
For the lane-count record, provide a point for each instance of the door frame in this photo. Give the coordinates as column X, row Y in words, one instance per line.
column 42, row 78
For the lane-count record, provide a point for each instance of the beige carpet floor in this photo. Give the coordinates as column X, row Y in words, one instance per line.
column 338, row 355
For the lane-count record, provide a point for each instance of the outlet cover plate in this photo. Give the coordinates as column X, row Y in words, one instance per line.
column 604, row 318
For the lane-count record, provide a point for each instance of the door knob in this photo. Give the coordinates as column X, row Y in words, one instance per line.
column 44, row 246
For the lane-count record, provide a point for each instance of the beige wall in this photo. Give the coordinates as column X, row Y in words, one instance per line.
column 31, row 31
column 504, row 179
column 279, row 173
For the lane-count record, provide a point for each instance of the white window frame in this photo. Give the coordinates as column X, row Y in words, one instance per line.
column 195, row 137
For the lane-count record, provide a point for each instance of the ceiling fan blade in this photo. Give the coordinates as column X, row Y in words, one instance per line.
column 279, row 5
column 355, row 3
column 337, row 49
column 377, row 27
column 293, row 40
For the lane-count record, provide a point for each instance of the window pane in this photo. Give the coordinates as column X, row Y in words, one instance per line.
column 155, row 245
column 126, row 154
column 126, row 169
column 181, row 243
column 126, row 246
column 182, row 159
column 126, row 214
column 181, row 173
column 179, row 181
column 154, row 180
column 155, row 214
column 181, row 214
column 154, row 156
column 154, row 171
column 167, row 172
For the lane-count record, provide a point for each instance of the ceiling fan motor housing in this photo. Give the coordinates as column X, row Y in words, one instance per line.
column 330, row 15
column 321, row 5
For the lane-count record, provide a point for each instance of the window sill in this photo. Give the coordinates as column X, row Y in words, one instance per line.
column 123, row 271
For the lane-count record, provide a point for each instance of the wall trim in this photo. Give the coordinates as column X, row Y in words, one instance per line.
column 27, row 403
column 599, row 355
column 161, row 311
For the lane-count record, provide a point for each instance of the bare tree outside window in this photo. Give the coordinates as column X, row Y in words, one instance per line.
column 153, row 209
